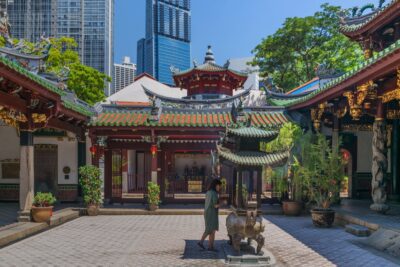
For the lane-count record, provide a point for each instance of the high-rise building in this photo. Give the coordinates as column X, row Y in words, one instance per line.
column 70, row 21
column 30, row 19
column 167, row 41
column 124, row 74
column 89, row 22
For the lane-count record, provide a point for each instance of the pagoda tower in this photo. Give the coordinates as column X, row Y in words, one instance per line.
column 240, row 149
column 209, row 80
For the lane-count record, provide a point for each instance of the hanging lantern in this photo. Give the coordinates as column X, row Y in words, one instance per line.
column 93, row 150
column 345, row 156
column 153, row 150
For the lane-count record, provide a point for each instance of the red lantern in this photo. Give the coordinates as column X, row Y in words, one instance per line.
column 93, row 150
column 345, row 156
column 153, row 150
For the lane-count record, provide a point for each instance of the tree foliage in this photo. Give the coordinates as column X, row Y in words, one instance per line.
column 292, row 53
column 87, row 82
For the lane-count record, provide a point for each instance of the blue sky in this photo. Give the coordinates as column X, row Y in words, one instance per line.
column 232, row 27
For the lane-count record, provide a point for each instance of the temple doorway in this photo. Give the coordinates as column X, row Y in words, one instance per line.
column 46, row 169
column 346, row 186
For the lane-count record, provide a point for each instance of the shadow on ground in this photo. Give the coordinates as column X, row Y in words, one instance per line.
column 193, row 251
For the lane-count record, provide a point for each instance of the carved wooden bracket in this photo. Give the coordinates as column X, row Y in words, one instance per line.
column 316, row 115
column 394, row 94
column 356, row 99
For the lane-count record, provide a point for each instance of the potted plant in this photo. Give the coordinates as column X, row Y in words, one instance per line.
column 322, row 171
column 91, row 188
column 42, row 208
column 286, row 178
column 153, row 196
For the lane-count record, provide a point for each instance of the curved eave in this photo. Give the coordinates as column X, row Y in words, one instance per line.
column 186, row 74
column 193, row 101
column 253, row 132
column 382, row 17
column 381, row 64
column 253, row 159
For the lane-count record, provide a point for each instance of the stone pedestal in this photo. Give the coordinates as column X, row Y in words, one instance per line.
column 26, row 174
column 247, row 256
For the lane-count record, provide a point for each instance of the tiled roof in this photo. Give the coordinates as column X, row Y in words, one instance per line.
column 287, row 102
column 67, row 100
column 252, row 158
column 43, row 82
column 354, row 24
column 212, row 67
column 129, row 118
column 263, row 119
column 252, row 132
column 171, row 119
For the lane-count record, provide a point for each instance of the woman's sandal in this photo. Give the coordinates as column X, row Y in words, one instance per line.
column 213, row 250
column 201, row 245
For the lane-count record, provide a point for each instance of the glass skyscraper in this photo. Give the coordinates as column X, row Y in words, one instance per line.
column 29, row 19
column 167, row 41
column 89, row 22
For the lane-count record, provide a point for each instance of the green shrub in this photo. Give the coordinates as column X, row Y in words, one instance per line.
column 43, row 199
column 322, row 171
column 91, row 184
column 153, row 193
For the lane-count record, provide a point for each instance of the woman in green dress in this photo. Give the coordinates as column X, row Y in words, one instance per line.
column 211, row 214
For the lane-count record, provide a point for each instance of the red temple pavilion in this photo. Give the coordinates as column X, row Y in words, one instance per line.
column 171, row 140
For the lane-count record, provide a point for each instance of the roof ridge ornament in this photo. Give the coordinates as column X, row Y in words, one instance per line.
column 209, row 58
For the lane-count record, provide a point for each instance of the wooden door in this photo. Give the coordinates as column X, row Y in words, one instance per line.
column 46, row 168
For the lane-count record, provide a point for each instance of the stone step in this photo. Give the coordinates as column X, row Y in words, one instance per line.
column 357, row 230
column 19, row 231
column 63, row 216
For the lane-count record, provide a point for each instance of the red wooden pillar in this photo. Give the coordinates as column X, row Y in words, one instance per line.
column 154, row 166
column 108, row 174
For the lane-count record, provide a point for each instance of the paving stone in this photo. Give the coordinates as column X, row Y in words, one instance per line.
column 168, row 240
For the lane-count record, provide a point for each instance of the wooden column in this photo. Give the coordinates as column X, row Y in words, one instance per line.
column 259, row 187
column 26, row 175
column 395, row 160
column 379, row 161
column 240, row 191
column 154, row 167
column 81, row 161
column 335, row 133
column 108, row 174
column 251, row 184
column 234, row 184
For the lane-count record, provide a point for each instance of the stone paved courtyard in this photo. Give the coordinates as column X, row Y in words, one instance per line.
column 171, row 241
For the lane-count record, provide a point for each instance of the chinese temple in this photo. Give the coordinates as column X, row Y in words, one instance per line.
column 42, row 127
column 171, row 138
column 362, row 107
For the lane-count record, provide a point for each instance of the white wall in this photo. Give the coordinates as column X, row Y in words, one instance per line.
column 364, row 151
column 9, row 148
column 67, row 152
column 67, row 156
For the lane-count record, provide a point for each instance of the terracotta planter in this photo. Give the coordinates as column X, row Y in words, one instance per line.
column 152, row 207
column 92, row 210
column 292, row 208
column 323, row 217
column 42, row 214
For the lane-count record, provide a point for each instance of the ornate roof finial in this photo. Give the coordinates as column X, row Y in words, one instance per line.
column 209, row 56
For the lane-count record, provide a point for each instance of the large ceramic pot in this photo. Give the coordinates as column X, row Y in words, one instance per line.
column 323, row 217
column 292, row 208
column 92, row 210
column 152, row 207
column 41, row 214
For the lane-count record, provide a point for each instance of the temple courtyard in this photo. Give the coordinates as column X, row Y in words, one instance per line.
column 171, row 241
